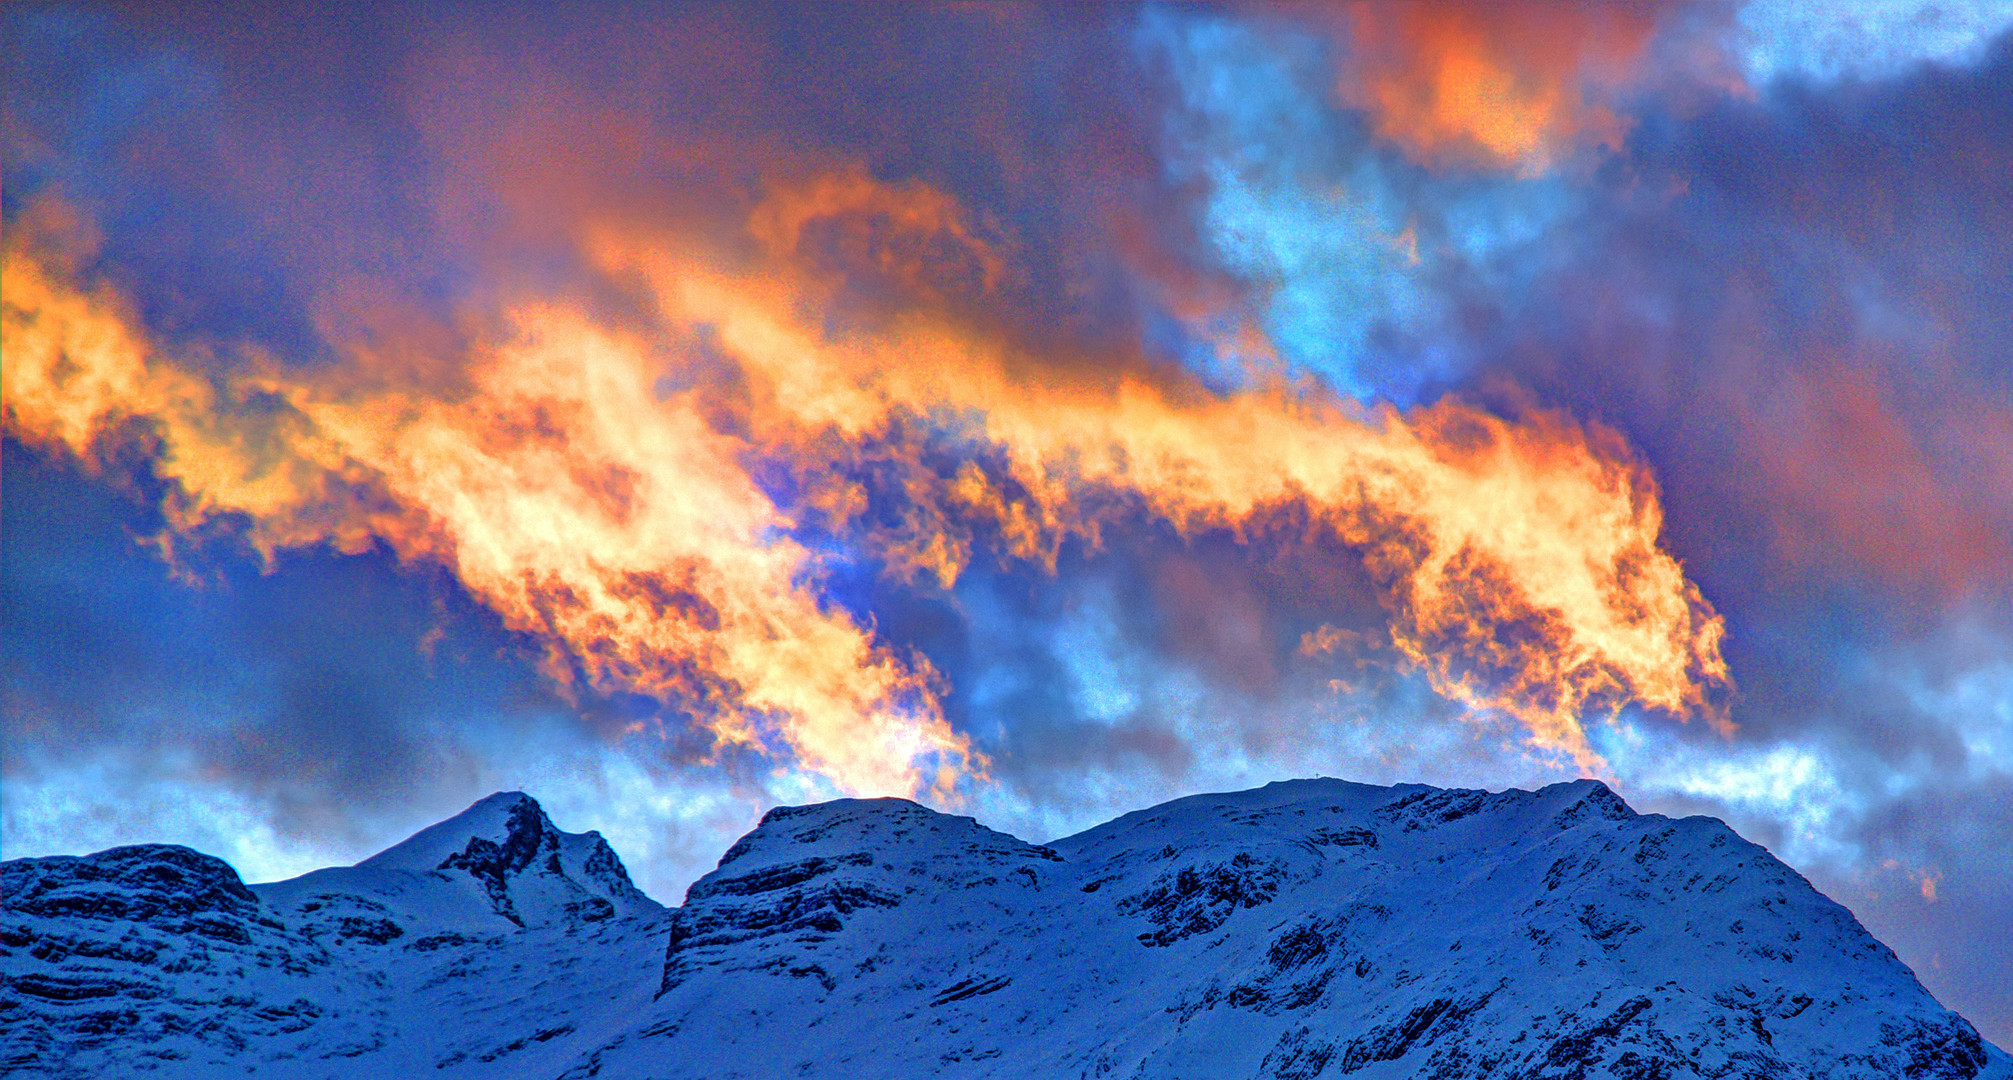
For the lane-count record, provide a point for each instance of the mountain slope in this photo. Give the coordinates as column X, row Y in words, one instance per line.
column 1312, row 928
column 158, row 960
column 1305, row 929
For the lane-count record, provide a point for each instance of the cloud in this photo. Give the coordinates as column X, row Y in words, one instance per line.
column 1519, row 87
column 617, row 519
column 1051, row 410
column 1856, row 40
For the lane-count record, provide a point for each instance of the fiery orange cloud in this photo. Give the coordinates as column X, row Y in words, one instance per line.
column 594, row 488
column 1518, row 86
column 1478, row 525
column 77, row 367
column 561, row 490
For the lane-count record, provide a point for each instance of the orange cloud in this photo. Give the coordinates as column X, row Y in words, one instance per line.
column 1518, row 86
column 911, row 235
column 595, row 487
column 620, row 528
column 1522, row 559
column 78, row 368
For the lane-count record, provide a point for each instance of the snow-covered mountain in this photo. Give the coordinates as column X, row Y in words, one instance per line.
column 484, row 945
column 1305, row 929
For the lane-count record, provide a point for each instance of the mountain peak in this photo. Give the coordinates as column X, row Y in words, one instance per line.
column 861, row 832
column 134, row 882
column 808, row 872
column 501, row 857
column 1583, row 800
column 504, row 819
column 1311, row 928
column 1307, row 928
column 792, row 833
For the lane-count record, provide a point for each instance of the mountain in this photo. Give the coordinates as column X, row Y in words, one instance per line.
column 1305, row 929
column 501, row 859
column 482, row 945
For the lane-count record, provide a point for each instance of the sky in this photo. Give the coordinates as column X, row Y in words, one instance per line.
column 1040, row 412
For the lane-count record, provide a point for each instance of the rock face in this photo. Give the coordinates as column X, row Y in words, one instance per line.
column 158, row 961
column 1311, row 928
column 498, row 865
column 143, row 955
column 1305, row 929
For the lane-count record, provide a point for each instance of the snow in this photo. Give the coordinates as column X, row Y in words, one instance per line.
column 1307, row 928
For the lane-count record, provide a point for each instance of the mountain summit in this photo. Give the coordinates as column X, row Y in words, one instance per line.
column 501, row 857
column 1305, row 929
column 1309, row 928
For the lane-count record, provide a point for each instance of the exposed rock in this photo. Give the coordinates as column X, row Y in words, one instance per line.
column 1307, row 929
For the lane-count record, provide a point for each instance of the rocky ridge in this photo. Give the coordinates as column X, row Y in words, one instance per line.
column 156, row 960
column 1305, row 929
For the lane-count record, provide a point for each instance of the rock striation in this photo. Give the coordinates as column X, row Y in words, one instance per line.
column 1305, row 929
column 157, row 960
